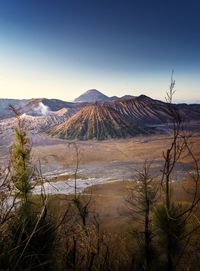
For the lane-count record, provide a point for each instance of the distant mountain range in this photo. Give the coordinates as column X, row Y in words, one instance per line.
column 94, row 115
column 34, row 107
column 94, row 95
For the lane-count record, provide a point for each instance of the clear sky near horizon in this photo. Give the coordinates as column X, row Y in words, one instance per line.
column 61, row 48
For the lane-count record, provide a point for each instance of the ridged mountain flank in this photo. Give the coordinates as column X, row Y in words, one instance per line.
column 91, row 96
column 96, row 122
column 147, row 111
column 143, row 110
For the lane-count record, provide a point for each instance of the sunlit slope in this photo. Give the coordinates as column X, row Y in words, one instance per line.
column 97, row 122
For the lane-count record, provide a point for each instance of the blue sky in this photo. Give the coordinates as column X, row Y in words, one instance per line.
column 61, row 48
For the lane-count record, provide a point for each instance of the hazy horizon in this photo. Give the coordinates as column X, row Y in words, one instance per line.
column 67, row 100
column 60, row 49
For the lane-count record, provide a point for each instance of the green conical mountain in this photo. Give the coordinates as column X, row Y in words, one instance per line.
column 96, row 122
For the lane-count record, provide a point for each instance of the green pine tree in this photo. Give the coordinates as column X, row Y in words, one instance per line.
column 31, row 232
column 21, row 168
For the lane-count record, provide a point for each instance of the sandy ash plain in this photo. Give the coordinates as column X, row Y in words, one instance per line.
column 99, row 161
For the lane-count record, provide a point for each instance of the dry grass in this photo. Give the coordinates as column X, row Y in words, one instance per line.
column 109, row 202
column 137, row 149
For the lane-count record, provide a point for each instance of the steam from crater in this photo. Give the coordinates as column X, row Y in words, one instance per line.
column 42, row 109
